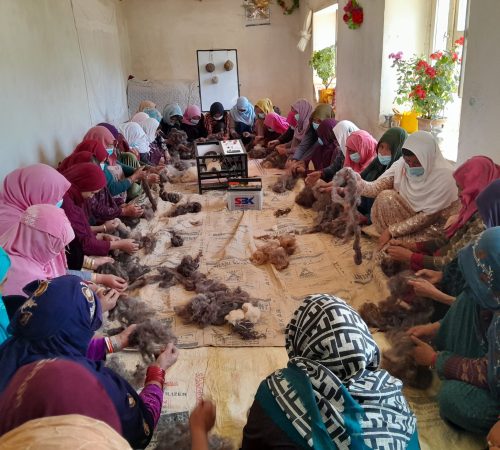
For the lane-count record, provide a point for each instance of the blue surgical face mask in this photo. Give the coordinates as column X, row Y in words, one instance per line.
column 320, row 141
column 194, row 121
column 414, row 171
column 59, row 203
column 110, row 150
column 261, row 116
column 384, row 160
column 102, row 165
column 355, row 157
column 315, row 125
column 297, row 117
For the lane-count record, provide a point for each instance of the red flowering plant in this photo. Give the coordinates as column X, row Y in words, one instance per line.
column 353, row 14
column 428, row 86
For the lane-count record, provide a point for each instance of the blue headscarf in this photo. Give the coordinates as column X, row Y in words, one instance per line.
column 488, row 204
column 4, row 318
column 480, row 264
column 58, row 321
column 171, row 110
column 153, row 113
column 248, row 116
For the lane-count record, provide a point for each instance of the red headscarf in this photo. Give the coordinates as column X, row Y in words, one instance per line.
column 84, row 177
column 105, row 137
column 81, row 154
column 472, row 177
column 364, row 143
column 276, row 122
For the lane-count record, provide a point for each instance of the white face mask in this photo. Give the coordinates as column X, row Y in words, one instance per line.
column 262, row 116
column 218, row 117
column 194, row 121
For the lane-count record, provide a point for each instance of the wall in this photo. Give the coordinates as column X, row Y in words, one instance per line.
column 165, row 34
column 43, row 91
column 481, row 90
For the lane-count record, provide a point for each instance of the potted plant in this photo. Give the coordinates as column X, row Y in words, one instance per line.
column 428, row 85
column 323, row 62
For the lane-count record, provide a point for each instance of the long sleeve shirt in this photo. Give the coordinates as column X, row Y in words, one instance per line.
column 287, row 136
column 304, row 149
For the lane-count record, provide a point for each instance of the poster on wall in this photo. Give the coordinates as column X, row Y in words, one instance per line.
column 257, row 12
column 218, row 77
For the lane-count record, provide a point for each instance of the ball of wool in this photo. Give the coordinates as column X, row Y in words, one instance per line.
column 210, row 67
column 228, row 65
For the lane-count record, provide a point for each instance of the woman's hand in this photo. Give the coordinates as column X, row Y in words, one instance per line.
column 126, row 245
column 425, row 332
column 384, row 238
column 327, row 187
column 138, row 175
column 124, row 336
column 202, row 417
column 493, row 437
column 111, row 281
column 234, row 134
column 424, row 288
column 298, row 167
column 131, row 210
column 423, row 353
column 108, row 237
column 107, row 299
column 273, row 143
column 111, row 225
column 432, row 276
column 100, row 260
column 153, row 178
column 313, row 177
column 451, row 220
column 168, row 357
column 399, row 253
column 282, row 150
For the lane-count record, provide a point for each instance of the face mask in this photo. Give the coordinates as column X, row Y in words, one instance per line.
column 270, row 130
column 315, row 125
column 320, row 141
column 194, row 121
column 384, row 160
column 262, row 116
column 217, row 117
column 355, row 157
column 110, row 151
column 297, row 117
column 59, row 203
column 242, row 110
column 102, row 165
column 414, row 171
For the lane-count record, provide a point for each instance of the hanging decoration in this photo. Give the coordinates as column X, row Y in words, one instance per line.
column 289, row 9
column 353, row 14
column 210, row 67
column 228, row 65
column 257, row 12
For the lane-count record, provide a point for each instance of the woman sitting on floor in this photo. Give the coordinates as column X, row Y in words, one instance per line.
column 153, row 113
column 155, row 154
column 262, row 108
column 332, row 394
column 172, row 116
column 326, row 151
column 39, row 334
column 217, row 121
column 193, row 123
column 274, row 126
column 361, row 150
column 145, row 104
column 286, row 143
column 466, row 341
column 241, row 119
column 139, row 118
column 471, row 177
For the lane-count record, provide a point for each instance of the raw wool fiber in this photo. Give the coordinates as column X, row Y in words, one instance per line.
column 151, row 337
column 147, row 242
column 135, row 378
column 305, row 197
column 177, row 436
column 275, row 161
column 282, row 212
column 401, row 310
column 243, row 321
column 285, row 183
column 185, row 208
column 258, row 152
column 149, row 194
column 400, row 363
column 276, row 251
column 122, row 231
column 130, row 222
column 172, row 197
column 124, row 266
column 178, row 145
column 176, row 240
column 188, row 175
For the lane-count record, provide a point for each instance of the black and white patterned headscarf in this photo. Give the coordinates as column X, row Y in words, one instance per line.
column 329, row 341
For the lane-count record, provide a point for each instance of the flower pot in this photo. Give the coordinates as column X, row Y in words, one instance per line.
column 326, row 96
column 429, row 124
column 408, row 121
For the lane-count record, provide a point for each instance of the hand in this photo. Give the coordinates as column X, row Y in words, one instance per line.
column 313, row 177
column 153, row 178
column 298, row 167
column 451, row 220
column 128, row 245
column 108, row 299
column 100, row 260
column 168, row 357
column 108, row 237
column 131, row 210
column 234, row 134
column 112, row 281
column 425, row 332
column 282, row 150
column 111, row 225
column 424, row 288
column 399, row 253
column 326, row 188
column 273, row 143
column 124, row 336
column 202, row 417
column 384, row 238
column 423, row 353
column 138, row 175
column 493, row 437
column 432, row 276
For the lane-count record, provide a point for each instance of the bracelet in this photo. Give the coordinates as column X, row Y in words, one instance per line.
column 433, row 361
column 155, row 373
column 88, row 263
column 93, row 278
column 109, row 345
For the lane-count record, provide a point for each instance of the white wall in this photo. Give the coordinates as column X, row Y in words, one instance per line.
column 165, row 34
column 481, row 89
column 43, row 93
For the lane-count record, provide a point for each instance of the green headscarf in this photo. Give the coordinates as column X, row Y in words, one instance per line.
column 322, row 111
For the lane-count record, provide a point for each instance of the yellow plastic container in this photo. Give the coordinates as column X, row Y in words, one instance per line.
column 408, row 121
column 327, row 96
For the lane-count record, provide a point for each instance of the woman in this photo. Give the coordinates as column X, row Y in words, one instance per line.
column 276, row 123
column 139, row 118
column 145, row 104
column 241, row 119
column 217, row 120
column 81, row 153
column 471, row 178
column 284, row 142
column 155, row 154
column 39, row 334
column 332, row 393
column 326, row 151
column 153, row 113
column 193, row 123
column 361, row 150
column 4, row 317
column 418, row 192
column 263, row 107
column 467, row 355
column 86, row 179
column 22, row 188
column 172, row 116
column 120, row 144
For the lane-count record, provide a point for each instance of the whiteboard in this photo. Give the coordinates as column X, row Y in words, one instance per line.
column 227, row 90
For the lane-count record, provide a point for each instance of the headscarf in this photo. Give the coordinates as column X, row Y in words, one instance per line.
column 139, row 117
column 58, row 321
column 276, row 123
column 73, row 431
column 435, row 190
column 170, row 110
column 248, row 116
column 191, row 111
column 146, row 104
column 480, row 265
column 150, row 126
column 28, row 186
column 33, row 244
column 84, row 177
column 290, row 118
column 472, row 177
column 328, row 341
column 342, row 131
column 304, row 110
column 266, row 105
column 153, row 113
column 135, row 136
column 216, row 109
column 101, row 134
column 488, row 204
column 322, row 112
column 81, row 154
column 364, row 144
column 54, row 387
column 4, row 317
column 121, row 142
column 325, row 132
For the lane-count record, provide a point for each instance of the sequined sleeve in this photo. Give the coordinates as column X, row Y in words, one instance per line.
column 413, row 224
column 372, row 188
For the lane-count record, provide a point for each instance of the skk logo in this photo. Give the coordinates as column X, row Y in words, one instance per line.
column 240, row 201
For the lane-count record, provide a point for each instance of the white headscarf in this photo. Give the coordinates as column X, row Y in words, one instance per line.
column 139, row 117
column 135, row 136
column 342, row 131
column 150, row 126
column 436, row 188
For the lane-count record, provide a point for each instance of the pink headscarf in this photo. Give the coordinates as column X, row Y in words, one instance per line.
column 304, row 109
column 364, row 143
column 191, row 111
column 472, row 177
column 29, row 186
column 139, row 117
column 276, row 122
column 35, row 246
column 291, row 119
column 105, row 137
